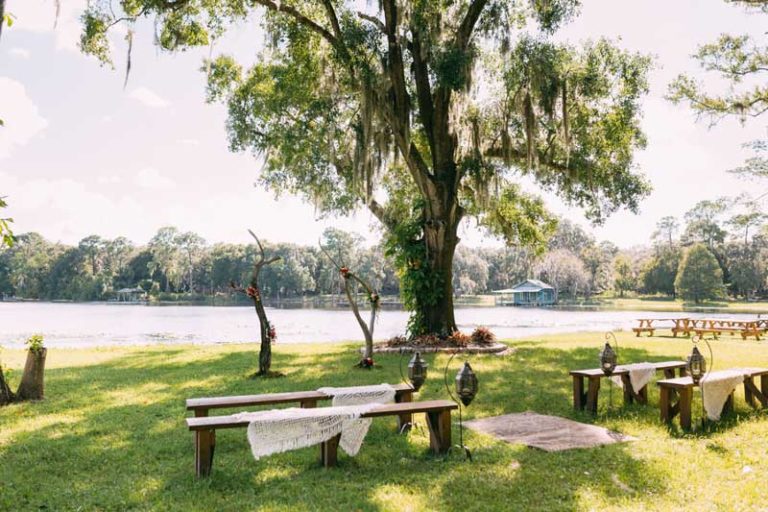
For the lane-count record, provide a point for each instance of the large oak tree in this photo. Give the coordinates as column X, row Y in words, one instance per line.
column 425, row 112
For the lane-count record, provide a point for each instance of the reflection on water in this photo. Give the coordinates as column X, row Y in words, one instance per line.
column 70, row 325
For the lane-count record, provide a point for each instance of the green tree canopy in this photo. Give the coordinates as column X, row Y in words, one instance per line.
column 699, row 276
column 425, row 113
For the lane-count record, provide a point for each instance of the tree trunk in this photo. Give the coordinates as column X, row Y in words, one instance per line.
column 441, row 241
column 265, row 352
column 32, row 385
column 6, row 395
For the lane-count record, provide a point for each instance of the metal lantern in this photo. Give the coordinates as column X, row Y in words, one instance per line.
column 466, row 384
column 696, row 365
column 417, row 371
column 607, row 359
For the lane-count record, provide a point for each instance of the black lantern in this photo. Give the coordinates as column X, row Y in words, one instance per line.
column 696, row 365
column 417, row 371
column 466, row 388
column 607, row 359
column 466, row 384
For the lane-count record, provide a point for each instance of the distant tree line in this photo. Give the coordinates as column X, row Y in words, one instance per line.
column 714, row 253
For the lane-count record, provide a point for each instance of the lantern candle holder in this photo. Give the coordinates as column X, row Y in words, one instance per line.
column 696, row 363
column 466, row 387
column 417, row 375
column 608, row 356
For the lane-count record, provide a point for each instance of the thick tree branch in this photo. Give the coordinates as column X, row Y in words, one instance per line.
column 467, row 27
column 376, row 21
column 301, row 19
column 333, row 19
column 423, row 88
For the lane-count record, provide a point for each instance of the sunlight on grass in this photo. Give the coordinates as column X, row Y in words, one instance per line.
column 111, row 436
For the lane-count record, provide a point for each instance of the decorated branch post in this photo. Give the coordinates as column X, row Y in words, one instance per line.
column 32, row 386
column 268, row 332
column 348, row 277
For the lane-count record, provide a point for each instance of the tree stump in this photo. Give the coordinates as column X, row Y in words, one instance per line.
column 6, row 395
column 32, row 385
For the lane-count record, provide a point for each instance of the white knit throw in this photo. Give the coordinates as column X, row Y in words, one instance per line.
column 715, row 389
column 640, row 374
column 280, row 430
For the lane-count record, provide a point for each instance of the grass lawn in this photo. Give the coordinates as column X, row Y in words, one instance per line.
column 111, row 436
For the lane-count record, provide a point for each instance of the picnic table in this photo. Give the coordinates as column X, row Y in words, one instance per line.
column 682, row 388
column 588, row 399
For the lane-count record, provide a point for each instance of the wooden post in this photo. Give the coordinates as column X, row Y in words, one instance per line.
column 32, row 385
column 205, row 443
column 728, row 405
column 439, row 430
column 578, row 392
column 405, row 420
column 329, row 451
column 592, row 392
column 749, row 397
column 309, row 403
column 200, row 413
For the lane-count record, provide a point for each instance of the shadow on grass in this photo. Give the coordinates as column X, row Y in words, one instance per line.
column 112, row 436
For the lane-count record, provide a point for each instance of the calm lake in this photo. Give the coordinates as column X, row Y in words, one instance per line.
column 87, row 325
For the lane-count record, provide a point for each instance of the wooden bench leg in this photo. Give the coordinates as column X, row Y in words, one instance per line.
column 665, row 405
column 728, row 405
column 205, row 443
column 329, row 451
column 684, row 402
column 439, row 430
column 592, row 392
column 629, row 396
column 309, row 403
column 404, row 421
column 579, row 397
column 642, row 396
column 201, row 413
column 749, row 397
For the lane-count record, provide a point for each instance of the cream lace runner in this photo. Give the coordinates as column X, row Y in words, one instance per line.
column 715, row 389
column 358, row 395
column 640, row 374
column 280, row 430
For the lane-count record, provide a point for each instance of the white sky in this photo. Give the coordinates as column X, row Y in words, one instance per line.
column 80, row 155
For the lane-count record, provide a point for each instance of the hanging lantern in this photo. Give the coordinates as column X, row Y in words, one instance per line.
column 466, row 384
column 607, row 359
column 417, row 371
column 696, row 365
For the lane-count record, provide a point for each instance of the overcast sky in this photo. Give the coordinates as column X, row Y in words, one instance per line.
column 81, row 155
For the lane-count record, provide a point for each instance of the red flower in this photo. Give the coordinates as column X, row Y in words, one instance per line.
column 368, row 362
column 344, row 271
column 253, row 293
column 272, row 333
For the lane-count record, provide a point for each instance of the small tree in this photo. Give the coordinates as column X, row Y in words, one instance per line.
column 268, row 333
column 373, row 298
column 625, row 278
column 699, row 276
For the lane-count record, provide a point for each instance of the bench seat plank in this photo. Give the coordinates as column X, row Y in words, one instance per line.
column 222, row 402
column 597, row 372
column 231, row 421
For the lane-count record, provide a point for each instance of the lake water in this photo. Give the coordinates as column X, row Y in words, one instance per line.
column 88, row 325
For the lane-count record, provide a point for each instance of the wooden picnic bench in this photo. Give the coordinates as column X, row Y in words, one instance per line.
column 308, row 399
column 645, row 325
column 682, row 388
column 438, row 413
column 588, row 399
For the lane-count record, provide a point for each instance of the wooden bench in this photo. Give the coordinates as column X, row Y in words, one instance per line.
column 308, row 399
column 588, row 399
column 645, row 325
column 682, row 388
column 438, row 414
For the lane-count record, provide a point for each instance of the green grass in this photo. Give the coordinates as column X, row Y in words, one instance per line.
column 111, row 436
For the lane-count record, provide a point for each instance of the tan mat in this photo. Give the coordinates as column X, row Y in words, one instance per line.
column 549, row 433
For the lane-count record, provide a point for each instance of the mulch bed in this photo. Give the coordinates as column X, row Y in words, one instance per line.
column 494, row 348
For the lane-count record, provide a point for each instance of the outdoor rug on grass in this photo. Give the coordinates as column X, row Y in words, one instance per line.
column 549, row 433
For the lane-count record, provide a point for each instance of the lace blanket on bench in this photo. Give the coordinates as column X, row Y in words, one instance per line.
column 716, row 387
column 640, row 374
column 280, row 430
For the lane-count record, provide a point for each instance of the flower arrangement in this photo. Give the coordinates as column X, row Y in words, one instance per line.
column 344, row 271
column 35, row 343
column 483, row 336
column 253, row 293
column 367, row 362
